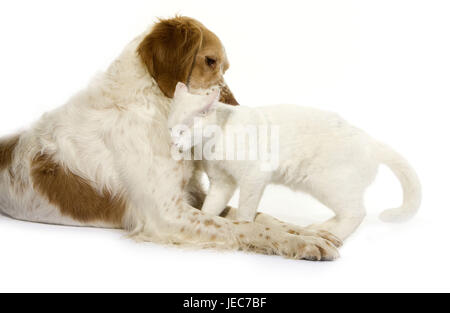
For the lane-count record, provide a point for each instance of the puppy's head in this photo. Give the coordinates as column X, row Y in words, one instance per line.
column 182, row 49
column 189, row 113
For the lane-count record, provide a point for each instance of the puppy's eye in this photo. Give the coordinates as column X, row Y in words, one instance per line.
column 210, row 61
column 181, row 133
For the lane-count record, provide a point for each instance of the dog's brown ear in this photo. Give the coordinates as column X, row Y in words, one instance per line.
column 169, row 51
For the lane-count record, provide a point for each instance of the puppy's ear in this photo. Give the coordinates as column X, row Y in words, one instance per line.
column 169, row 51
column 180, row 90
column 218, row 95
column 215, row 95
column 213, row 98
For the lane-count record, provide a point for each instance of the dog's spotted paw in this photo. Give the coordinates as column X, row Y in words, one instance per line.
column 310, row 248
column 337, row 242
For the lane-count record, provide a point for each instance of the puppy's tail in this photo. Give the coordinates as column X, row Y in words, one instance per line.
column 412, row 190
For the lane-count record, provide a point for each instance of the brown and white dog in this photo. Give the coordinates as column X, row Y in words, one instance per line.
column 103, row 159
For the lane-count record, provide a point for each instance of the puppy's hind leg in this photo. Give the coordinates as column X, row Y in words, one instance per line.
column 347, row 220
column 348, row 205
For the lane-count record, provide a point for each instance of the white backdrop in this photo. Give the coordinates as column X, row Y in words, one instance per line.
column 384, row 65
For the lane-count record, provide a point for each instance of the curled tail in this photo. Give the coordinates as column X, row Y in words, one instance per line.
column 412, row 190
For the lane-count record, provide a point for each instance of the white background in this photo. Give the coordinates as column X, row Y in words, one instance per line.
column 384, row 65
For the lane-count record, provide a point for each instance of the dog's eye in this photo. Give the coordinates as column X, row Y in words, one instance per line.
column 210, row 61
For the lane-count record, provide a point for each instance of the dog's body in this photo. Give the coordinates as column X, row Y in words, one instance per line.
column 317, row 151
column 103, row 159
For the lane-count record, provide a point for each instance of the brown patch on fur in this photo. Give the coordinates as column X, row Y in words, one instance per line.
column 182, row 49
column 7, row 147
column 169, row 51
column 226, row 96
column 209, row 222
column 73, row 195
column 293, row 232
column 213, row 237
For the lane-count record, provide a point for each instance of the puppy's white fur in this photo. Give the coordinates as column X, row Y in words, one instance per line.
column 319, row 153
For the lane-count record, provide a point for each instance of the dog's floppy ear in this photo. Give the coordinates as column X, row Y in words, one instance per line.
column 169, row 51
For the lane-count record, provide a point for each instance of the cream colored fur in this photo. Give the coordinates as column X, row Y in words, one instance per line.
column 114, row 135
column 319, row 153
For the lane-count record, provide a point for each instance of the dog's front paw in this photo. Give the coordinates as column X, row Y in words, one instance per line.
column 337, row 242
column 311, row 248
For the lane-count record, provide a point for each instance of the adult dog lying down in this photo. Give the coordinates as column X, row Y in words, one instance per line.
column 103, row 159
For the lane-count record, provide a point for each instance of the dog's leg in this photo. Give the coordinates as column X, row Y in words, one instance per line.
column 180, row 224
column 275, row 224
column 192, row 227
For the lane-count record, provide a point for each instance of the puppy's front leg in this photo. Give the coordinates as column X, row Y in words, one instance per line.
column 219, row 195
column 249, row 200
column 252, row 189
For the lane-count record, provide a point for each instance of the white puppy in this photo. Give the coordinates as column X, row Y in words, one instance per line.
column 318, row 152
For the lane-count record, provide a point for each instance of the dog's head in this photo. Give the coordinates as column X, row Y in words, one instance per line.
column 182, row 49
